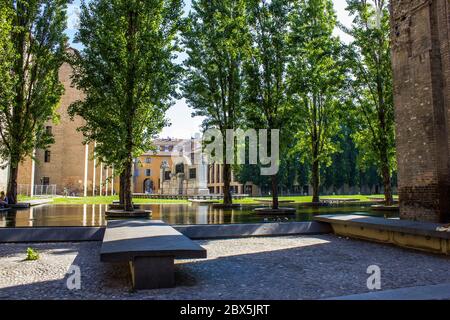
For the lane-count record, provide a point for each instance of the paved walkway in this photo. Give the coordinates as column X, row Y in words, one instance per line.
column 434, row 292
column 294, row 267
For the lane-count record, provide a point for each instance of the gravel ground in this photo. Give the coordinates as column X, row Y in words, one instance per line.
column 306, row 267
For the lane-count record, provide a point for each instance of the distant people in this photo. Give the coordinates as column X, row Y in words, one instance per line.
column 3, row 200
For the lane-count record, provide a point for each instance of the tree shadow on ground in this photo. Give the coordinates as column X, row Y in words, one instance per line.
column 331, row 267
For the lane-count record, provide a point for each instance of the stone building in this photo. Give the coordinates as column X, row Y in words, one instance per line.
column 215, row 183
column 68, row 164
column 421, row 65
column 186, row 175
column 146, row 173
column 189, row 173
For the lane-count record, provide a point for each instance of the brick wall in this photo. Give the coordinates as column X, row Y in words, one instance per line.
column 420, row 54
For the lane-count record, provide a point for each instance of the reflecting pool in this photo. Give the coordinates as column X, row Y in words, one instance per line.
column 93, row 215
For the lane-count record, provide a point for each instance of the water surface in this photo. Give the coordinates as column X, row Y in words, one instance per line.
column 93, row 215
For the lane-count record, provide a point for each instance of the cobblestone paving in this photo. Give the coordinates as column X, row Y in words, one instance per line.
column 296, row 267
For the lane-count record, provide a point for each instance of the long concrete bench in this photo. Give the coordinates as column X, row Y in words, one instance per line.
column 411, row 234
column 150, row 247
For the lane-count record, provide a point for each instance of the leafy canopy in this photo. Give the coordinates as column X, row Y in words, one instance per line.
column 32, row 49
column 127, row 73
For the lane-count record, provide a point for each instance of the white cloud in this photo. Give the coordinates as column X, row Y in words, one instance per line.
column 73, row 16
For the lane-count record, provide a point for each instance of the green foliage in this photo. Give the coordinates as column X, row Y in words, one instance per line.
column 216, row 40
column 371, row 87
column 316, row 78
column 267, row 105
column 32, row 49
column 344, row 169
column 126, row 70
column 6, row 60
column 32, row 254
column 129, row 76
column 292, row 174
column 371, row 92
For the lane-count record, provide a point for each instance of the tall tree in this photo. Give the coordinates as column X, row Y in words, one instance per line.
column 32, row 50
column 216, row 41
column 344, row 168
column 267, row 105
column 370, row 58
column 316, row 77
column 128, row 74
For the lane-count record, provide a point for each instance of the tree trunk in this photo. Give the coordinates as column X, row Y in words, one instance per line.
column 274, row 192
column 11, row 191
column 128, row 205
column 122, row 188
column 227, row 198
column 315, row 177
column 385, row 172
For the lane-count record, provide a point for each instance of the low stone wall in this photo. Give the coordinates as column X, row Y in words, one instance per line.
column 80, row 234
column 409, row 234
column 51, row 234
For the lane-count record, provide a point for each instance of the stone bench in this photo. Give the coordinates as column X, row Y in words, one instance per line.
column 411, row 234
column 150, row 247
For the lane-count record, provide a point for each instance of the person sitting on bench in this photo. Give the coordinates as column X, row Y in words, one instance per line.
column 3, row 200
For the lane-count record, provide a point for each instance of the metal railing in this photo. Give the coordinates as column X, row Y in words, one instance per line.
column 38, row 190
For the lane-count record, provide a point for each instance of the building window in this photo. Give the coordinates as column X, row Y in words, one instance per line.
column 45, row 181
column 166, row 175
column 47, row 156
column 179, row 168
column 192, row 173
column 48, row 129
column 148, row 160
column 148, row 172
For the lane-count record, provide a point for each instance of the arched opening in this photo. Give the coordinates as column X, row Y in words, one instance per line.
column 148, row 186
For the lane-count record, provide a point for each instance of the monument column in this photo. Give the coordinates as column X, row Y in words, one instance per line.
column 107, row 181
column 33, row 173
column 420, row 58
column 101, row 180
column 86, row 162
column 94, row 174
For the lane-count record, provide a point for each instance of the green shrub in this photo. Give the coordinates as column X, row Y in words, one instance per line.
column 32, row 254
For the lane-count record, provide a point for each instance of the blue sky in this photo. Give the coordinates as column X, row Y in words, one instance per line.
column 182, row 124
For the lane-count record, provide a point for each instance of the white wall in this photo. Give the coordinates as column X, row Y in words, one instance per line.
column 3, row 177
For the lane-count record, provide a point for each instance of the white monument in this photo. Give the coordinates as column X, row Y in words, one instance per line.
column 3, row 177
column 188, row 173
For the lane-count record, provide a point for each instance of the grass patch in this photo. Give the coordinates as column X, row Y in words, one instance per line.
column 110, row 199
column 21, row 198
column 304, row 199
column 250, row 200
